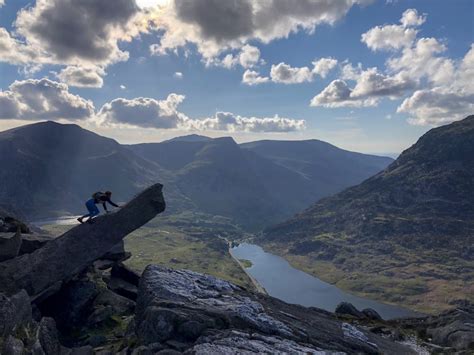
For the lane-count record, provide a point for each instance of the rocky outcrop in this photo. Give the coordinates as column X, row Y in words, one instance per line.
column 451, row 329
column 32, row 242
column 42, row 272
column 10, row 244
column 200, row 314
column 10, row 222
column 346, row 308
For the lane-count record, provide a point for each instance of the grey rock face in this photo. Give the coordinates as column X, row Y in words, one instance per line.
column 10, row 244
column 236, row 342
column 13, row 346
column 72, row 304
column 206, row 315
column 207, row 294
column 47, row 337
column 15, row 312
column 123, row 272
column 454, row 328
column 346, row 308
column 62, row 258
column 371, row 314
column 10, row 222
column 32, row 242
column 123, row 288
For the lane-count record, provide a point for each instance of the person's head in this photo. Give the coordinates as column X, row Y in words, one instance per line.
column 108, row 193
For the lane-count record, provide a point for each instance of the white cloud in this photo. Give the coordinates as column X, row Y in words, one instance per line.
column 423, row 60
column 283, row 73
column 164, row 114
column 123, row 87
column 248, row 57
column 323, row 66
column 14, row 51
column 42, row 99
column 437, row 106
column 443, row 104
column 286, row 74
column 54, row 28
column 143, row 112
column 389, row 37
column 371, row 83
column 80, row 34
column 338, row 94
column 178, row 75
column 369, row 88
column 2, row 2
column 251, row 77
column 411, row 18
column 226, row 121
column 216, row 26
column 85, row 77
column 440, row 89
column 394, row 37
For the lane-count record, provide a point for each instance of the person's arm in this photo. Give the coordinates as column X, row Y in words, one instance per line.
column 105, row 206
column 113, row 204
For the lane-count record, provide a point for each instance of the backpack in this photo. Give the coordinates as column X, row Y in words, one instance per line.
column 98, row 195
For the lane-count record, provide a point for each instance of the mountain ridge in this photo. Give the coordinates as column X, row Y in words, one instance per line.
column 414, row 217
column 57, row 167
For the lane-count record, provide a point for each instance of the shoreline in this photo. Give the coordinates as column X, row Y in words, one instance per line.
column 259, row 288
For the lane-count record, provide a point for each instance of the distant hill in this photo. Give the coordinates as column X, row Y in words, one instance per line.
column 327, row 168
column 413, row 221
column 250, row 184
column 51, row 169
column 190, row 138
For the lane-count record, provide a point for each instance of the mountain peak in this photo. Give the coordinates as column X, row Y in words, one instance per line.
column 189, row 138
column 418, row 211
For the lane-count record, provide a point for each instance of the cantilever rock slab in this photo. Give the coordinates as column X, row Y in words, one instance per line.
column 59, row 260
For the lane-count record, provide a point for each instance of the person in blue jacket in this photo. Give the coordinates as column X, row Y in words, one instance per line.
column 91, row 204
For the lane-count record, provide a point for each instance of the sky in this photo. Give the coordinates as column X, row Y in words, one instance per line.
column 365, row 75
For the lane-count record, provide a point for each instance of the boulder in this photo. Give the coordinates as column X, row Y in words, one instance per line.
column 62, row 258
column 47, row 337
column 10, row 244
column 454, row 328
column 451, row 329
column 123, row 272
column 120, row 304
column 10, row 222
column 371, row 314
column 348, row 309
column 200, row 314
column 32, row 242
column 13, row 346
column 123, row 288
column 15, row 313
column 72, row 305
column 237, row 342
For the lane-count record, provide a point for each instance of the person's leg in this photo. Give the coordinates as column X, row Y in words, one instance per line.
column 91, row 207
column 94, row 211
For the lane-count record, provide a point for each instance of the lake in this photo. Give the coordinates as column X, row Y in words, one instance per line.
column 291, row 285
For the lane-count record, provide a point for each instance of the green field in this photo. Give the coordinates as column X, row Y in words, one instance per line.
column 176, row 242
column 418, row 281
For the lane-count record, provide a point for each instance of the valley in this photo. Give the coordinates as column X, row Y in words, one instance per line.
column 405, row 235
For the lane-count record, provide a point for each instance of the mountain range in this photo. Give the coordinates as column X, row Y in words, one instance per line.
column 52, row 169
column 410, row 227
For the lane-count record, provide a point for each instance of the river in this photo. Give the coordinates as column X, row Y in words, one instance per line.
column 291, row 285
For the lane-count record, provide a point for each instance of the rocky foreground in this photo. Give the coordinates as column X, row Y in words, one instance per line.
column 96, row 305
